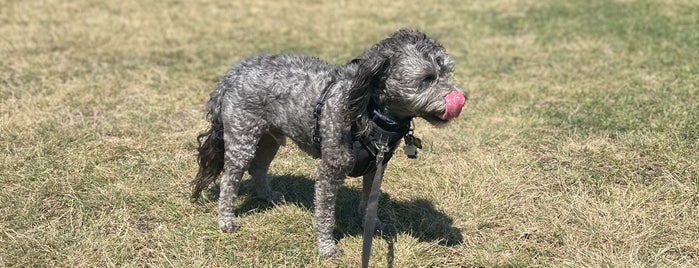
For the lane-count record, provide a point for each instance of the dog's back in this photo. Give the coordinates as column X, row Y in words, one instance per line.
column 278, row 89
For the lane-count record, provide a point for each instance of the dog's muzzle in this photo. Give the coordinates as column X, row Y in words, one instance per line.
column 454, row 102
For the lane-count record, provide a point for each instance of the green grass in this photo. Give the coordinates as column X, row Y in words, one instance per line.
column 578, row 146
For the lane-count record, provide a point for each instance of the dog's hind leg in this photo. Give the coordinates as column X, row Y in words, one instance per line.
column 266, row 150
column 241, row 135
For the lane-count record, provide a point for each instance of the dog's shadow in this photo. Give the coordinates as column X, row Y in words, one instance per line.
column 417, row 218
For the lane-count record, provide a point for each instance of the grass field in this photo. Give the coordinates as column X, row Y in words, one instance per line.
column 578, row 147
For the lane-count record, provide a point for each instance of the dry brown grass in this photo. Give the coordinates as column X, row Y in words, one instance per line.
column 578, row 147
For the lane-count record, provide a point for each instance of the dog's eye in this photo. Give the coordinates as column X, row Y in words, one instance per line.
column 427, row 81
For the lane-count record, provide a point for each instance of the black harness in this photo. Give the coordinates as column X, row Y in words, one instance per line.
column 384, row 131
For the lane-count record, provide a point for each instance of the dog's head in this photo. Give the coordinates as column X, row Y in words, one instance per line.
column 409, row 75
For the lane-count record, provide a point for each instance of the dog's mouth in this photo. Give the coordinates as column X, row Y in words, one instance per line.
column 439, row 118
column 435, row 119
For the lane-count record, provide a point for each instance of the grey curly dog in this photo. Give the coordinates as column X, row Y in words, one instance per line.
column 335, row 113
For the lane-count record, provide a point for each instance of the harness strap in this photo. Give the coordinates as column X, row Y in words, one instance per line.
column 318, row 110
column 370, row 215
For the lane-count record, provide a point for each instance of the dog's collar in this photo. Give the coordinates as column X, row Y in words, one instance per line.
column 385, row 122
column 380, row 120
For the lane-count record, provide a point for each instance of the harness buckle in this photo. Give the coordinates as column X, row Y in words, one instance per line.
column 382, row 144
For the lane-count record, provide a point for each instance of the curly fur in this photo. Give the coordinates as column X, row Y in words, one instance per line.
column 266, row 98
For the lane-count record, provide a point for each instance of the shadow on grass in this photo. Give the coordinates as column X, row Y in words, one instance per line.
column 417, row 218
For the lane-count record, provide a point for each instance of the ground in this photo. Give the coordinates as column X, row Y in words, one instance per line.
column 578, row 146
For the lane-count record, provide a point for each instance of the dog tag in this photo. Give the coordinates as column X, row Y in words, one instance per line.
column 410, row 151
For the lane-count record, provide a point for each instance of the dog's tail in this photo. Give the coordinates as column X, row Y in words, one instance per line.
column 211, row 149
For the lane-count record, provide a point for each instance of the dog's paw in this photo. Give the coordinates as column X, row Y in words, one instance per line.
column 329, row 250
column 228, row 223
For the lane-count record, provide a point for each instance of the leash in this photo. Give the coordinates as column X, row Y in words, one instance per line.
column 370, row 215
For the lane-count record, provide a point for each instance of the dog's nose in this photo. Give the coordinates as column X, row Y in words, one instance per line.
column 453, row 103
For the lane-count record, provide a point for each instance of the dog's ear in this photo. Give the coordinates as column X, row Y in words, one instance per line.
column 371, row 72
column 370, row 76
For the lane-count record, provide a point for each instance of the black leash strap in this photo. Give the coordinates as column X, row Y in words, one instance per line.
column 372, row 206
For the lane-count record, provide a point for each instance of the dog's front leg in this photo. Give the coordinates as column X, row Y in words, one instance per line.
column 328, row 179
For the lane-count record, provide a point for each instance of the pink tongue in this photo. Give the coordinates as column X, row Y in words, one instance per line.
column 453, row 104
